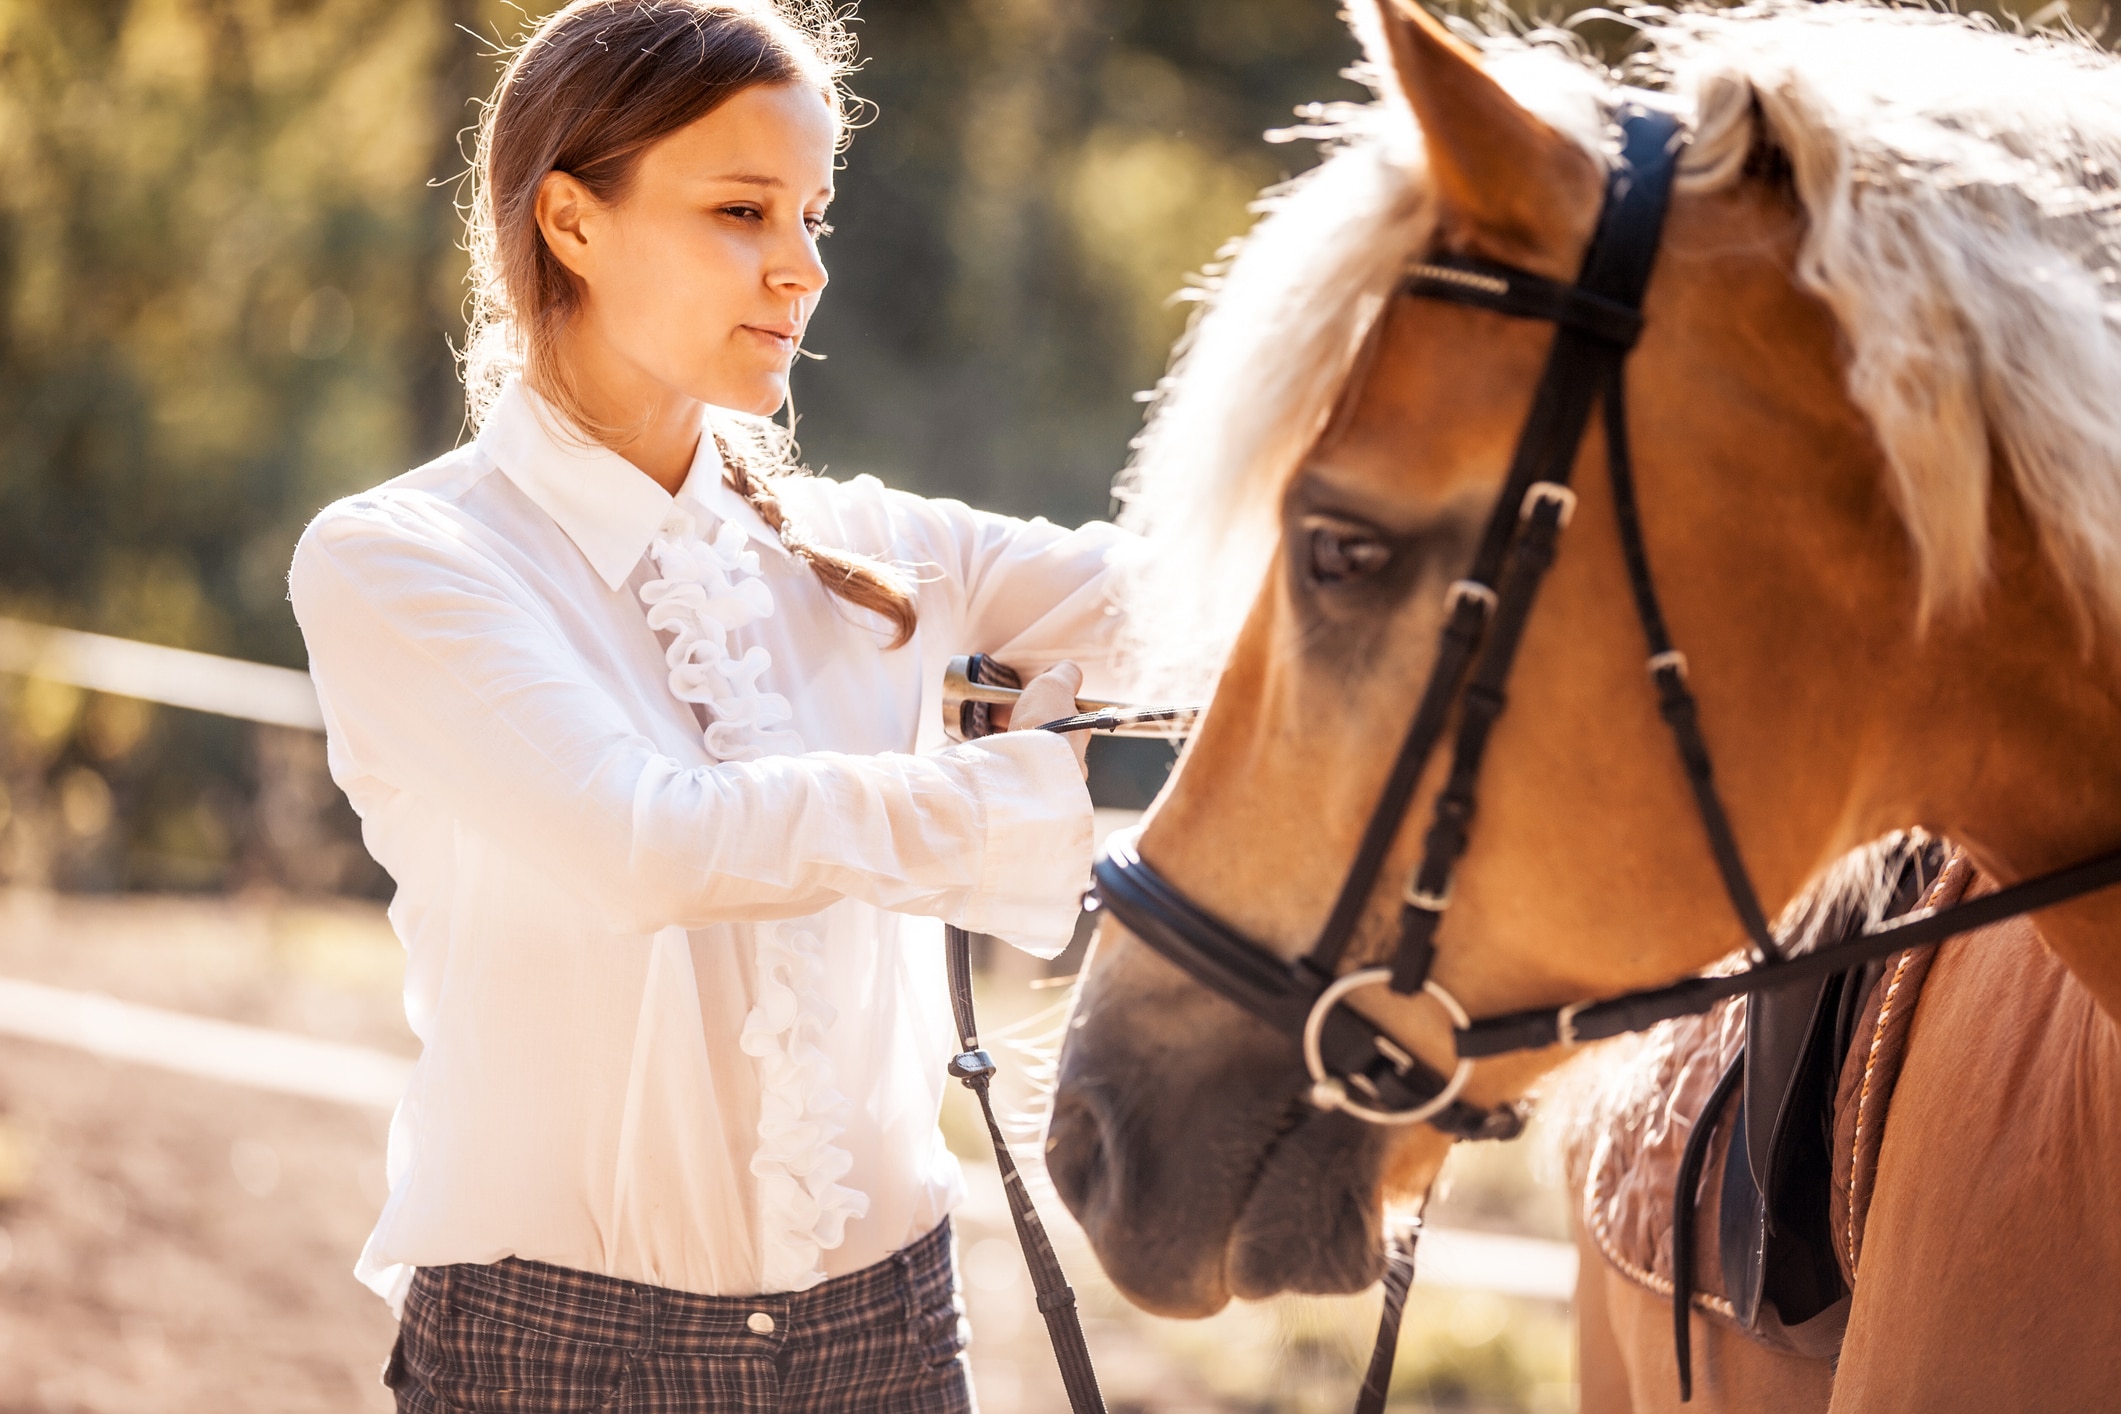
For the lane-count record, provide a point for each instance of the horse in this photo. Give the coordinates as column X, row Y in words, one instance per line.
column 1876, row 466
column 2011, row 1055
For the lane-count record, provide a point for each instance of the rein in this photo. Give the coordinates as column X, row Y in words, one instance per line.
column 1353, row 1064
column 975, row 1068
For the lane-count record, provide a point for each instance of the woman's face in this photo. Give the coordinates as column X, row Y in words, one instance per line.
column 702, row 278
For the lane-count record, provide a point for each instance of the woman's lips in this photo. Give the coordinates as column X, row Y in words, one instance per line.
column 782, row 339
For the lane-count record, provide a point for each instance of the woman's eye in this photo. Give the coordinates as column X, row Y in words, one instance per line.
column 819, row 226
column 1340, row 553
column 742, row 213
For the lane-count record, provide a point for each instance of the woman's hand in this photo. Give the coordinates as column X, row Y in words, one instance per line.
column 1047, row 698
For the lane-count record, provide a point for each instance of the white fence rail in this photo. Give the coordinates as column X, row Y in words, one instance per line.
column 178, row 677
column 357, row 1075
column 300, row 1065
column 202, row 1046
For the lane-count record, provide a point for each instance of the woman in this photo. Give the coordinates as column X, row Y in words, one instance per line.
column 644, row 728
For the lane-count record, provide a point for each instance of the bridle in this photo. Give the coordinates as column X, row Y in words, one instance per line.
column 1353, row 1064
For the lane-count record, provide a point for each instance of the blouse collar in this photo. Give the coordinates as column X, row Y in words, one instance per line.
column 609, row 507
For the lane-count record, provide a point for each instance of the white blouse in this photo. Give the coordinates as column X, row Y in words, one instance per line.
column 658, row 808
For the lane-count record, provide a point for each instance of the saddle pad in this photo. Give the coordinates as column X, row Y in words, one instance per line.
column 1637, row 1106
column 1636, row 1100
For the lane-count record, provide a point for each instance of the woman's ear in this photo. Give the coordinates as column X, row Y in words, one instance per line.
column 1508, row 185
column 565, row 213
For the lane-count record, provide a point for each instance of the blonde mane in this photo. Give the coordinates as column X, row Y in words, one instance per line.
column 1963, row 193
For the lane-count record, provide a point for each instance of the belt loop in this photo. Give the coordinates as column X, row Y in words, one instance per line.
column 908, row 1289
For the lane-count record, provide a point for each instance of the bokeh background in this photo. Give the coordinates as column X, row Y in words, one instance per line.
column 230, row 285
column 230, row 257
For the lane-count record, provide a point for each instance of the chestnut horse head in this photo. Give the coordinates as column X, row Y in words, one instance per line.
column 1877, row 454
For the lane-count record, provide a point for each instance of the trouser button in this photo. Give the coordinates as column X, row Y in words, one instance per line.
column 760, row 1323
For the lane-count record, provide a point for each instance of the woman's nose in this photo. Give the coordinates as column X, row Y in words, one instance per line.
column 799, row 270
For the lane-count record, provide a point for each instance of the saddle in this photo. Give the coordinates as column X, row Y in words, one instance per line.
column 1760, row 1122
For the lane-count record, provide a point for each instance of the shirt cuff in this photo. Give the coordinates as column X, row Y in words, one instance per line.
column 1035, row 857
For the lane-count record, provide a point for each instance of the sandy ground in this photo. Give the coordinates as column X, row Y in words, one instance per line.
column 173, row 1245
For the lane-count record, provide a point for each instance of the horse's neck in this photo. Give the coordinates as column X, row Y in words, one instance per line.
column 2000, row 732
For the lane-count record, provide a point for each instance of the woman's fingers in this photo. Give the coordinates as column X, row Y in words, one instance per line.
column 1049, row 697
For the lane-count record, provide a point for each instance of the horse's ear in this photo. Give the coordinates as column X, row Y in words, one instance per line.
column 1507, row 183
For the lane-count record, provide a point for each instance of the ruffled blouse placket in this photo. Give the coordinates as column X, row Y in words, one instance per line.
column 705, row 591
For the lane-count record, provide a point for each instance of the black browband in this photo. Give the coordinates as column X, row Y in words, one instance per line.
column 1355, row 1065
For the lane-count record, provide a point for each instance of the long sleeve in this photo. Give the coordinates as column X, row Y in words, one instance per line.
column 1030, row 592
column 443, row 679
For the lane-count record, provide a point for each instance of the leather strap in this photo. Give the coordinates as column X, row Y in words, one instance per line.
column 1591, row 333
column 1399, row 1276
column 1588, row 356
column 1280, row 994
column 1684, row 1225
column 1667, row 669
column 1056, row 1299
column 1460, row 279
column 1638, row 1011
column 975, row 1068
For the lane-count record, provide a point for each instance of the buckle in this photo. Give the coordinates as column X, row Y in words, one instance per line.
column 1462, row 590
column 1671, row 658
column 1330, row 1092
column 969, row 1066
column 1565, row 1024
column 1541, row 493
column 1417, row 897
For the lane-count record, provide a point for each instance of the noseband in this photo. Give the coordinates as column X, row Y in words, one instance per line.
column 1353, row 1064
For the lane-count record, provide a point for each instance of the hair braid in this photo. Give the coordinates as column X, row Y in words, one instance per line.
column 855, row 578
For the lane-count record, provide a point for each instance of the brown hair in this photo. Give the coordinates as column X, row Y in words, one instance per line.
column 598, row 84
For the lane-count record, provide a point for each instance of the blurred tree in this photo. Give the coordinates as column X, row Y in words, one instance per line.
column 229, row 248
column 229, row 258
column 230, row 277
column 228, row 289
column 1038, row 181
column 226, row 280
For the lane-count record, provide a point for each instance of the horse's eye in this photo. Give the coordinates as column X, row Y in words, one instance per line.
column 1340, row 553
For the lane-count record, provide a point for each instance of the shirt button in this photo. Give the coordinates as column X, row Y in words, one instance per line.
column 760, row 1323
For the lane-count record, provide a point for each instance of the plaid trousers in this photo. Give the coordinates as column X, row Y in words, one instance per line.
column 521, row 1337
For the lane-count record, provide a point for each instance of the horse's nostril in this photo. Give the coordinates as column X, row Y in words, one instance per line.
column 1075, row 1152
